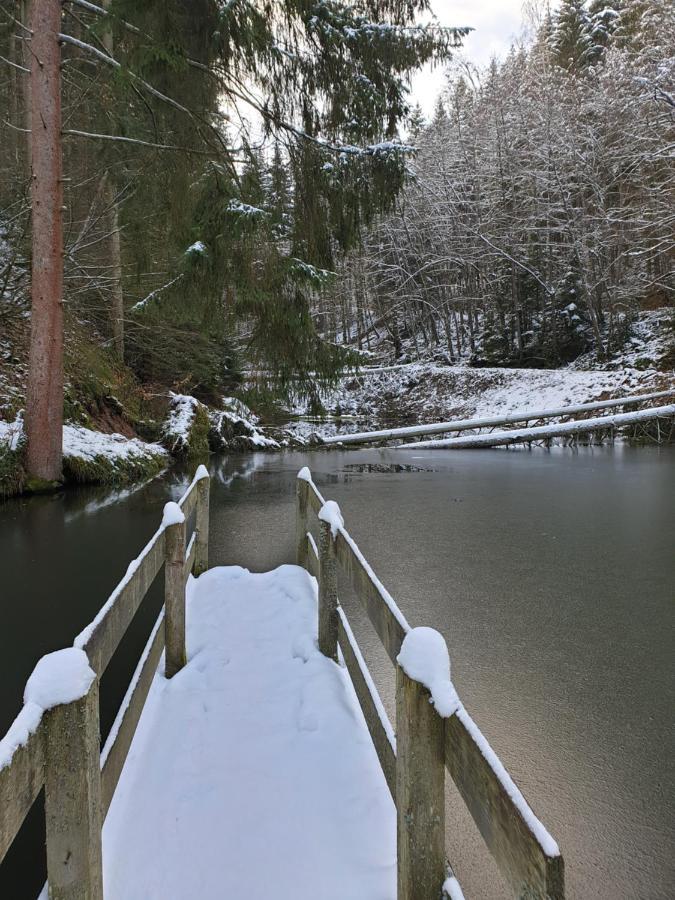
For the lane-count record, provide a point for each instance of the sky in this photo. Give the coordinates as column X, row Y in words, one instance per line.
column 497, row 23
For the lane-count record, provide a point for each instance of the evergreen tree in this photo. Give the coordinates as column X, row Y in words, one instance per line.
column 571, row 40
column 416, row 122
column 604, row 19
column 328, row 82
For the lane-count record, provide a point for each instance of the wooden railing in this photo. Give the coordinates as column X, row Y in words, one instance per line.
column 59, row 749
column 426, row 744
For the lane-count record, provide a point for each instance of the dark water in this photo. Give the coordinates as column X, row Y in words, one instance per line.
column 551, row 575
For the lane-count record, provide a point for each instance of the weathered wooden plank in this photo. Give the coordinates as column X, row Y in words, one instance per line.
column 383, row 613
column 380, row 729
column 526, row 855
column 420, row 792
column 201, row 562
column 188, row 502
column 314, row 498
column 174, row 599
column 312, row 556
column 73, row 799
column 301, row 492
column 328, row 592
column 123, row 730
column 100, row 639
column 190, row 556
column 20, row 782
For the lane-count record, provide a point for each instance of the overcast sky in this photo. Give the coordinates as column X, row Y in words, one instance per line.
column 496, row 23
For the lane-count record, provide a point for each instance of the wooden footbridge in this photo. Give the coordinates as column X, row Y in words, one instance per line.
column 56, row 745
column 571, row 423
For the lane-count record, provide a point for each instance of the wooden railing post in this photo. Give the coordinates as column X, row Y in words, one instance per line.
column 420, row 792
column 73, row 799
column 174, row 598
column 328, row 592
column 301, row 488
column 202, row 526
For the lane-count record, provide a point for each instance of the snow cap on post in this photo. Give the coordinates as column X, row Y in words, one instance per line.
column 173, row 515
column 424, row 657
column 330, row 512
column 304, row 474
column 60, row 677
column 202, row 472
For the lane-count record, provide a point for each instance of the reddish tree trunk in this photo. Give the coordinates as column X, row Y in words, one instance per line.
column 44, row 399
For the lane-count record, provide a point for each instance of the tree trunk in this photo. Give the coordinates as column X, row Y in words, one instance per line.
column 117, row 295
column 44, row 398
column 25, row 14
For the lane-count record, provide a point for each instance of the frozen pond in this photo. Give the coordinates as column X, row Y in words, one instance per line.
column 550, row 574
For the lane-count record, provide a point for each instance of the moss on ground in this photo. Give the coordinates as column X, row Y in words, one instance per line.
column 198, row 444
column 103, row 470
column 12, row 473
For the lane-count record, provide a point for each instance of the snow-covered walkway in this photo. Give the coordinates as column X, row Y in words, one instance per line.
column 252, row 774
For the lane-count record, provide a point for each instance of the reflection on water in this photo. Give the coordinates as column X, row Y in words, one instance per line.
column 550, row 575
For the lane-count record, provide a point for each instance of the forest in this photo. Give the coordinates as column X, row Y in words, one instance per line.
column 252, row 201
column 538, row 219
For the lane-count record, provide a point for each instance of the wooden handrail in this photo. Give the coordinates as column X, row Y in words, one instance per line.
column 41, row 746
column 525, row 853
column 22, row 778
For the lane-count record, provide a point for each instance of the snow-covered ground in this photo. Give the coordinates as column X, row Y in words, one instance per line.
column 424, row 392
column 252, row 773
column 84, row 444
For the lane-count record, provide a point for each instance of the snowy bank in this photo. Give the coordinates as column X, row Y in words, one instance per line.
column 186, row 430
column 235, row 428
column 92, row 456
column 421, row 393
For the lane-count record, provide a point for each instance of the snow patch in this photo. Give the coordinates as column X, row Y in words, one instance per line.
column 305, row 475
column 424, row 657
column 179, row 424
column 258, row 742
column 59, row 677
column 25, row 724
column 173, row 515
column 452, row 889
column 12, row 432
column 84, row 443
column 330, row 513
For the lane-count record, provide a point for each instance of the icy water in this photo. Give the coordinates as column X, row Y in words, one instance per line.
column 551, row 575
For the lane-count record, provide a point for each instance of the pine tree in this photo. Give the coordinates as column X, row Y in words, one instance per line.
column 571, row 41
column 604, row 18
column 416, row 122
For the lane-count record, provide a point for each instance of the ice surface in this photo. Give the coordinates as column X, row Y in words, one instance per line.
column 546, row 842
column 59, row 677
column 424, row 657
